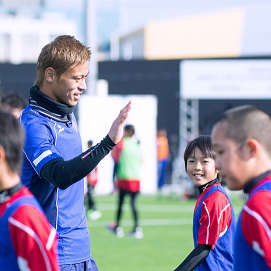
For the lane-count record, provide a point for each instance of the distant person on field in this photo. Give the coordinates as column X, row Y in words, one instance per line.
column 162, row 156
column 241, row 139
column 92, row 179
column 128, row 157
column 214, row 220
column 27, row 241
column 14, row 103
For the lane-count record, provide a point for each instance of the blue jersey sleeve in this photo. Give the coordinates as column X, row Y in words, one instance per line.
column 40, row 141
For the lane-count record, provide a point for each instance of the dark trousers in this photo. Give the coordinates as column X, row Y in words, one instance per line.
column 122, row 194
column 91, row 203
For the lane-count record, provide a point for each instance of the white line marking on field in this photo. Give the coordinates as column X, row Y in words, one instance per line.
column 145, row 222
column 149, row 208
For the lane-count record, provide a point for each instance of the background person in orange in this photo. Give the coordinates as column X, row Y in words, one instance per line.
column 162, row 156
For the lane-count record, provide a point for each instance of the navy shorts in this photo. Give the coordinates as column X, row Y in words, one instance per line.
column 89, row 265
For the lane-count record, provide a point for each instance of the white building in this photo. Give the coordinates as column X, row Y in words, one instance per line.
column 21, row 38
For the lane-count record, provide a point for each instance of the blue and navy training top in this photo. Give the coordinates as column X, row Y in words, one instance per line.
column 47, row 139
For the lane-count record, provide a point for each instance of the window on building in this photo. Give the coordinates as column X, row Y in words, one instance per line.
column 4, row 47
column 30, row 47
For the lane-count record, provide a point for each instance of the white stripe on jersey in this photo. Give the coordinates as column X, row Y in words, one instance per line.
column 51, row 239
column 30, row 232
column 42, row 156
column 228, row 205
column 207, row 236
column 260, row 219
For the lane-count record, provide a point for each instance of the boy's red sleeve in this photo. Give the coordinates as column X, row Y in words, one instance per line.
column 256, row 224
column 33, row 239
column 215, row 218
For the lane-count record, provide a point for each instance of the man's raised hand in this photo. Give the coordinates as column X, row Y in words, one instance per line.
column 116, row 130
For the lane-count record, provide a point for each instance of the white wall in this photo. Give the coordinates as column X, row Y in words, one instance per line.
column 225, row 79
column 96, row 115
column 23, row 38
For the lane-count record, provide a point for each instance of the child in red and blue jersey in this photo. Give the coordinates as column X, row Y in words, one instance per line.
column 241, row 139
column 214, row 220
column 28, row 241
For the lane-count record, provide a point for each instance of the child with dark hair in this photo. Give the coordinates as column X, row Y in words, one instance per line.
column 214, row 220
column 14, row 103
column 28, row 241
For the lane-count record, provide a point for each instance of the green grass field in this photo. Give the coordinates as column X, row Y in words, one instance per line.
column 167, row 226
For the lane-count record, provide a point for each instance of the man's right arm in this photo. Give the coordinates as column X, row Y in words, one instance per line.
column 65, row 173
column 48, row 162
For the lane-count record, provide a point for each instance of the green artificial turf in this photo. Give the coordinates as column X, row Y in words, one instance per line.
column 167, row 226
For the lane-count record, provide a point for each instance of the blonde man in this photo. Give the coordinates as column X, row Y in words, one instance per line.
column 54, row 165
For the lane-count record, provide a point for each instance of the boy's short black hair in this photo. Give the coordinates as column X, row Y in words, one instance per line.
column 12, row 139
column 13, row 100
column 203, row 142
column 90, row 143
column 129, row 128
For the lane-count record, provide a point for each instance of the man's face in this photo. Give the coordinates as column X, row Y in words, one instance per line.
column 69, row 87
column 230, row 159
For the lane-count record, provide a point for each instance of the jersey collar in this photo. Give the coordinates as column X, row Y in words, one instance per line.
column 48, row 107
column 6, row 194
column 203, row 187
column 256, row 180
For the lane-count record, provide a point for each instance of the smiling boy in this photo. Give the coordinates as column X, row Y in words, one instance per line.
column 54, row 165
column 213, row 221
column 241, row 139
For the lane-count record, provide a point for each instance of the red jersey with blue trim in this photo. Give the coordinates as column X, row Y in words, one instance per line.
column 214, row 224
column 252, row 243
column 27, row 240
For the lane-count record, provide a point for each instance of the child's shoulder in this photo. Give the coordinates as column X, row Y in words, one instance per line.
column 260, row 202
column 216, row 190
column 217, row 196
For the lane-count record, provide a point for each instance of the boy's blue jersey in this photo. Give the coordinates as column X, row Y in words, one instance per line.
column 221, row 255
column 47, row 139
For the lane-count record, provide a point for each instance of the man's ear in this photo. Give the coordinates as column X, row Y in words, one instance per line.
column 50, row 75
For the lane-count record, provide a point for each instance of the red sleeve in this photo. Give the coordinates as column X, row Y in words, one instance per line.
column 34, row 240
column 117, row 151
column 215, row 218
column 256, row 224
